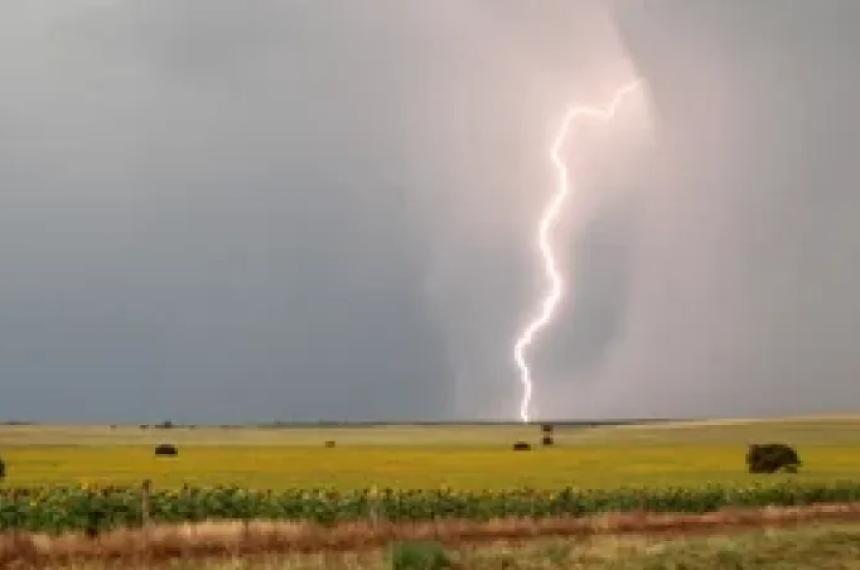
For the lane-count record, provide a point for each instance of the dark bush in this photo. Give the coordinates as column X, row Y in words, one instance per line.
column 522, row 446
column 2, row 469
column 166, row 450
column 772, row 457
column 419, row 556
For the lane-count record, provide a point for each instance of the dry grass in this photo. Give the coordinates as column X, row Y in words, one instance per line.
column 809, row 546
column 167, row 543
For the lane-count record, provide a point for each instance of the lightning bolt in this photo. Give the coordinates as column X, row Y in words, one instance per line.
column 548, row 220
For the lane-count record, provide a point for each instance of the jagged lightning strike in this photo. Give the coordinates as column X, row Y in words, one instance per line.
column 547, row 222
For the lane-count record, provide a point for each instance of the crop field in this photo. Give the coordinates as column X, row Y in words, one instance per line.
column 87, row 479
column 425, row 457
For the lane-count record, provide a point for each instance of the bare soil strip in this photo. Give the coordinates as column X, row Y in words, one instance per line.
column 237, row 538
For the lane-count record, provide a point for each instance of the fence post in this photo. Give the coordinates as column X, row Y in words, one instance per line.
column 146, row 502
column 373, row 511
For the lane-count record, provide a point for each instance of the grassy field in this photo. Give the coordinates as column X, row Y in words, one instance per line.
column 460, row 457
column 834, row 546
column 818, row 547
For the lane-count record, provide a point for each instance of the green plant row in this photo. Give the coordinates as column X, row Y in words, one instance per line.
column 73, row 508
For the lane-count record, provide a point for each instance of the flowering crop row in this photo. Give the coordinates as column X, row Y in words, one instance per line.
column 74, row 508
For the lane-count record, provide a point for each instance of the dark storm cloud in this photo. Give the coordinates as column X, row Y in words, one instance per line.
column 195, row 232
column 299, row 210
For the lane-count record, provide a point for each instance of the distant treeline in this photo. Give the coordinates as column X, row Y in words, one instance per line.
column 168, row 424
column 455, row 423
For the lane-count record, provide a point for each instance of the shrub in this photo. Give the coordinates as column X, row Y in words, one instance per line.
column 166, row 449
column 419, row 556
column 2, row 470
column 772, row 458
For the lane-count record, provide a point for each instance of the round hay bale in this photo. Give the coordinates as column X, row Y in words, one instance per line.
column 546, row 428
column 522, row 446
column 166, row 450
column 330, row 443
column 547, row 440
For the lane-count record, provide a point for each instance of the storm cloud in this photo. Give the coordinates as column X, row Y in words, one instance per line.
column 295, row 210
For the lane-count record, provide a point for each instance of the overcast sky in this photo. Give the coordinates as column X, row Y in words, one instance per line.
column 227, row 211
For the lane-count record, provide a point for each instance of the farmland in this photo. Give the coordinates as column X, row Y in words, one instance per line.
column 424, row 457
column 394, row 478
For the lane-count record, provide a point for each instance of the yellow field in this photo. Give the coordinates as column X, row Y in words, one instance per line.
column 466, row 457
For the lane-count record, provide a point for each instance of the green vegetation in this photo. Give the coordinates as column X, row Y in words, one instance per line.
column 63, row 509
column 419, row 556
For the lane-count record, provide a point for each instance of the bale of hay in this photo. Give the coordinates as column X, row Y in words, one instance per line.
column 166, row 450
column 546, row 428
column 330, row 443
column 547, row 440
column 522, row 446
column 771, row 458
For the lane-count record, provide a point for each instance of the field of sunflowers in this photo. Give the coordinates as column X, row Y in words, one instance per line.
column 90, row 477
column 75, row 508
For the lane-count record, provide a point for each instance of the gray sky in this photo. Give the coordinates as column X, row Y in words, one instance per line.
column 214, row 210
